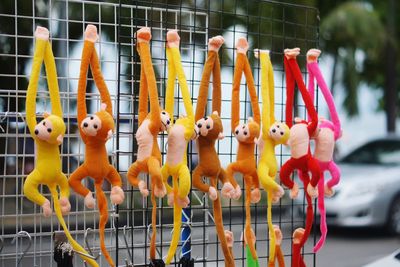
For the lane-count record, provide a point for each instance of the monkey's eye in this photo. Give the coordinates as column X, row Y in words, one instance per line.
column 245, row 133
column 95, row 126
column 91, row 118
column 208, row 126
column 277, row 125
column 163, row 112
column 199, row 125
column 237, row 132
column 49, row 130
column 281, row 133
column 205, row 118
column 44, row 123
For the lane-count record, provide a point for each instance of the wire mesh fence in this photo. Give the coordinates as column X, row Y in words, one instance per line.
column 266, row 24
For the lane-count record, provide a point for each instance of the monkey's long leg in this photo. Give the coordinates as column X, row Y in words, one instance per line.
column 133, row 173
column 198, row 180
column 247, row 228
column 75, row 181
column 31, row 188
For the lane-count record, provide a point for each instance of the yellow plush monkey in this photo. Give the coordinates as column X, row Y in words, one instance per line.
column 48, row 135
column 179, row 134
column 273, row 133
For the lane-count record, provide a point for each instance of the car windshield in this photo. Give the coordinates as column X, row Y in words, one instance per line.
column 382, row 152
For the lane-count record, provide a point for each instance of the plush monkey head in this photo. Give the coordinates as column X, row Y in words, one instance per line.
column 211, row 126
column 51, row 129
column 100, row 125
column 279, row 132
column 248, row 132
column 165, row 121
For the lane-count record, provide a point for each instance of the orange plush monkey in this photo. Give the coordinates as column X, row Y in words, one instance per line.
column 278, row 255
column 95, row 130
column 210, row 130
column 148, row 159
column 247, row 135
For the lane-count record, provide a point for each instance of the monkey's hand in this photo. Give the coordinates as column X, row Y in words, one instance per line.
column 117, row 195
column 229, row 238
column 255, row 195
column 329, row 191
column 212, row 193
column 160, row 192
column 47, row 209
column 183, row 202
column 65, row 205
column 90, row 202
column 238, row 193
column 294, row 192
column 277, row 194
column 227, row 190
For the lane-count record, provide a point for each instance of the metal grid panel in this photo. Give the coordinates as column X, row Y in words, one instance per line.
column 267, row 24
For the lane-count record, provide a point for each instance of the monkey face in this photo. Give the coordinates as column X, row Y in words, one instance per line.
column 91, row 125
column 51, row 129
column 248, row 132
column 205, row 125
column 242, row 132
column 279, row 132
column 165, row 121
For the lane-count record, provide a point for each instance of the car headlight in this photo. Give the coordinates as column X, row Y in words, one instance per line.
column 366, row 188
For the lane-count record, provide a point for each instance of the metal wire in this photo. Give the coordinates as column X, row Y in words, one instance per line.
column 267, row 25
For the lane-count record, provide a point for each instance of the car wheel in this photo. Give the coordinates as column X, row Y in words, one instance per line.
column 394, row 217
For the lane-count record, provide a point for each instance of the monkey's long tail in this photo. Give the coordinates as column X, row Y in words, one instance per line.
column 71, row 240
column 271, row 228
column 102, row 203
column 177, row 226
column 322, row 213
column 229, row 262
column 153, row 226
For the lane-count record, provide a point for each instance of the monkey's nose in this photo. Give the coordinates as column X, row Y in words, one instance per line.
column 199, row 125
column 85, row 124
column 237, row 132
column 36, row 131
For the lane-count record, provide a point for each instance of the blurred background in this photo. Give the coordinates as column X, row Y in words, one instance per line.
column 359, row 42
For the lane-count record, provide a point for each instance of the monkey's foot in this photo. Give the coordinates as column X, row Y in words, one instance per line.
column 215, row 43
column 183, row 202
column 312, row 191
column 89, row 201
column 117, row 195
column 229, row 238
column 255, row 195
column 312, row 55
column 160, row 192
column 47, row 209
column 65, row 205
column 238, row 193
column 298, row 235
column 242, row 45
column 143, row 35
column 143, row 189
column 277, row 194
column 173, row 38
column 212, row 193
column 294, row 192
column 278, row 235
column 91, row 33
column 329, row 191
column 227, row 190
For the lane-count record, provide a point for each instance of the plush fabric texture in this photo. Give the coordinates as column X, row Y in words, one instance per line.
column 180, row 133
column 299, row 142
column 246, row 135
column 210, row 130
column 273, row 134
column 95, row 130
column 48, row 136
column 150, row 124
column 330, row 131
column 278, row 255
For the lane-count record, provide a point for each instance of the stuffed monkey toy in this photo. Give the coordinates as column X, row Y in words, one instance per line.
column 247, row 135
column 273, row 133
column 299, row 141
column 48, row 136
column 210, row 130
column 95, row 130
column 330, row 131
column 278, row 255
column 148, row 159
column 179, row 135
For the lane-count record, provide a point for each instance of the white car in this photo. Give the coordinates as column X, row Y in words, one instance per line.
column 393, row 260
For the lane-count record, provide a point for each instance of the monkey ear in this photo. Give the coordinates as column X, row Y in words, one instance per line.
column 109, row 134
column 215, row 113
column 46, row 114
column 221, row 136
column 59, row 139
column 103, row 106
